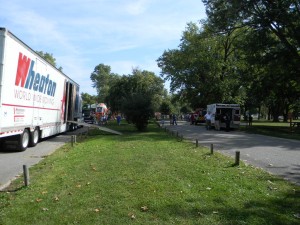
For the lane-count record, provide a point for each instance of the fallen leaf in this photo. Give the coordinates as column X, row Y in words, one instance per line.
column 97, row 210
column 39, row 200
column 208, row 188
column 44, row 192
column 56, row 198
column 144, row 208
column 215, row 212
column 45, row 209
column 78, row 185
column 131, row 215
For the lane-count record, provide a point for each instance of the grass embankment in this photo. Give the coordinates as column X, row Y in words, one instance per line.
column 147, row 178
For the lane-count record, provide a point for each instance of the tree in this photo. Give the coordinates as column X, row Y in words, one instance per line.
column 88, row 99
column 49, row 58
column 137, row 96
column 147, row 82
column 138, row 110
column 203, row 69
column 165, row 108
column 270, row 48
column 103, row 79
column 280, row 17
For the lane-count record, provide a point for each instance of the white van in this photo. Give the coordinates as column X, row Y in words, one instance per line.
column 233, row 111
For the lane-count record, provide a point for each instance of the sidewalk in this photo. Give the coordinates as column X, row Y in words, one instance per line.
column 276, row 155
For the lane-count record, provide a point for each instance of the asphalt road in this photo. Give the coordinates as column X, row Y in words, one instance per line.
column 276, row 155
column 11, row 163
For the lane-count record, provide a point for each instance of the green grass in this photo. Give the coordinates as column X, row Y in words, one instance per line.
column 146, row 178
column 275, row 129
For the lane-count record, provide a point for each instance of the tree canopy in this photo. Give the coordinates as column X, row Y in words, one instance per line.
column 102, row 79
column 138, row 96
column 243, row 50
column 49, row 58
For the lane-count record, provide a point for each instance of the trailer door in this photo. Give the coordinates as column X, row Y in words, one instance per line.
column 236, row 116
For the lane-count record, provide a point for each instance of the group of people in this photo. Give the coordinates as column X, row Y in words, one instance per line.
column 218, row 118
column 103, row 119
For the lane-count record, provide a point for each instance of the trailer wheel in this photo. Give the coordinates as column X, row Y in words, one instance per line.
column 23, row 140
column 34, row 137
column 2, row 144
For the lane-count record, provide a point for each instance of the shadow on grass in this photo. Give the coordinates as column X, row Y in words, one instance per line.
column 130, row 132
column 274, row 131
column 264, row 211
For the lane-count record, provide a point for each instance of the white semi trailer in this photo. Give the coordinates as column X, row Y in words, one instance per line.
column 36, row 99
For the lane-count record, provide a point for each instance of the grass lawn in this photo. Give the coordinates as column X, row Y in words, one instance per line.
column 146, row 178
column 275, row 129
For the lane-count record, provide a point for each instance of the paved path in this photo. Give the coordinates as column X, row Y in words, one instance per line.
column 11, row 163
column 276, row 155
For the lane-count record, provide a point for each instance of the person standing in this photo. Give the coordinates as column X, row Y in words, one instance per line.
column 217, row 121
column 119, row 119
column 227, row 122
column 192, row 119
column 207, row 120
column 174, row 120
column 250, row 120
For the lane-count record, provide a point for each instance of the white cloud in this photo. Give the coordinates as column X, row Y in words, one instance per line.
column 84, row 33
column 136, row 7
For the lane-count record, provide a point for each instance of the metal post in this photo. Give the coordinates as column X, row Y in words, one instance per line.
column 237, row 158
column 211, row 148
column 196, row 142
column 26, row 175
column 72, row 140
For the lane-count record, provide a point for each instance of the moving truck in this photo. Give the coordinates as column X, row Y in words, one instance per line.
column 36, row 99
column 219, row 109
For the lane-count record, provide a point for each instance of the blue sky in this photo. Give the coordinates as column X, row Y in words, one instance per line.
column 81, row 34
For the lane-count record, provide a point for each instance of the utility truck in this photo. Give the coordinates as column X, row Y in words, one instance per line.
column 220, row 110
column 93, row 113
column 36, row 99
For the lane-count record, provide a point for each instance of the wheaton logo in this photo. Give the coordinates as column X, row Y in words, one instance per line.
column 28, row 79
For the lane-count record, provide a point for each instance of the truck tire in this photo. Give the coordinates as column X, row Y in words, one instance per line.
column 2, row 145
column 23, row 141
column 34, row 137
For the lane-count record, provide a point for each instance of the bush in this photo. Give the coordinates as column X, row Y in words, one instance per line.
column 138, row 110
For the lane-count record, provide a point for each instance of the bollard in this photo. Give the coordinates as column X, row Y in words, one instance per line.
column 237, row 158
column 73, row 140
column 212, row 149
column 26, row 175
column 196, row 142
